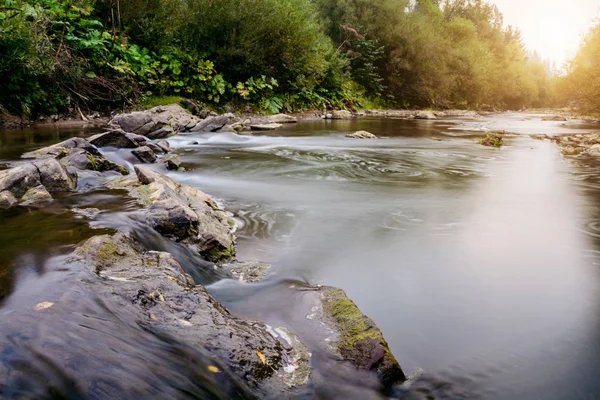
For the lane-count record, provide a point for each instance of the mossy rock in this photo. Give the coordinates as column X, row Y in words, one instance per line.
column 360, row 341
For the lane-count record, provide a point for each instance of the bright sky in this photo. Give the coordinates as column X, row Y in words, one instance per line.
column 552, row 27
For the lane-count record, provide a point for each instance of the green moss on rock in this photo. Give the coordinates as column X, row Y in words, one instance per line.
column 360, row 341
column 219, row 254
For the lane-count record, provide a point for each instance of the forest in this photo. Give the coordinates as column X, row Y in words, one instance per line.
column 278, row 55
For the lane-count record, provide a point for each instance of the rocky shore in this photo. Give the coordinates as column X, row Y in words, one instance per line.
column 271, row 361
column 583, row 144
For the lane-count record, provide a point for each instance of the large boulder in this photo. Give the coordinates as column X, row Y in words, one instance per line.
column 157, row 122
column 31, row 182
column 54, row 176
column 154, row 286
column 62, row 149
column 211, row 124
column 183, row 213
column 114, row 138
column 79, row 154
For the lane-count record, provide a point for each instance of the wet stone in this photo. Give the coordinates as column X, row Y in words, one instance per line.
column 144, row 154
column 172, row 161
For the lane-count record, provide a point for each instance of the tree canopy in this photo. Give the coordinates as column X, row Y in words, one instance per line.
column 272, row 54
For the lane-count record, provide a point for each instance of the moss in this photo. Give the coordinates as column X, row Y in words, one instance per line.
column 107, row 252
column 492, row 139
column 350, row 321
column 360, row 341
column 102, row 250
column 93, row 162
column 146, row 194
column 219, row 254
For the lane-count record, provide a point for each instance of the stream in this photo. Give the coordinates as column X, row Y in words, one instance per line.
column 481, row 266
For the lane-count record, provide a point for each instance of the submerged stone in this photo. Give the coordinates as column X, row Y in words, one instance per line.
column 361, row 135
column 248, row 271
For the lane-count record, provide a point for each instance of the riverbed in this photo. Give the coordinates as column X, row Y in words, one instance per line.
column 480, row 265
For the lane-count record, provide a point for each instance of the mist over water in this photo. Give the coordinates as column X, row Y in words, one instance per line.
column 479, row 265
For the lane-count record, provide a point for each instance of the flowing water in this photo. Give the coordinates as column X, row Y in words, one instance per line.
column 480, row 265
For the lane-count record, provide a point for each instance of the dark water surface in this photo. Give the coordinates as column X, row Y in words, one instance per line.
column 480, row 265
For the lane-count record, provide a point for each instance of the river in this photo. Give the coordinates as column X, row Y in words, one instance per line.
column 480, row 265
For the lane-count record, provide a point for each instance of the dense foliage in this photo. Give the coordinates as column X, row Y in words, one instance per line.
column 267, row 54
column 581, row 85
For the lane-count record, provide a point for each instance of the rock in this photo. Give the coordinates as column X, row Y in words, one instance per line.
column 425, row 115
column 139, row 139
column 570, row 151
column 164, row 145
column 54, row 176
column 539, row 137
column 238, row 126
column 133, row 121
column 361, row 135
column 460, row 113
column 404, row 114
column 593, row 150
column 61, row 149
column 88, row 213
column 265, row 127
column 282, row 119
column 341, row 114
column 160, row 133
column 557, row 118
column 32, row 182
column 204, row 113
column 36, row 196
column 248, row 271
column 7, row 199
column 211, row 124
column 114, row 138
column 19, row 180
column 144, row 154
column 163, row 297
column 191, row 107
column 155, row 148
column 157, row 122
column 183, row 213
column 172, row 161
column 358, row 340
column 82, row 160
column 78, row 153
column 227, row 128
